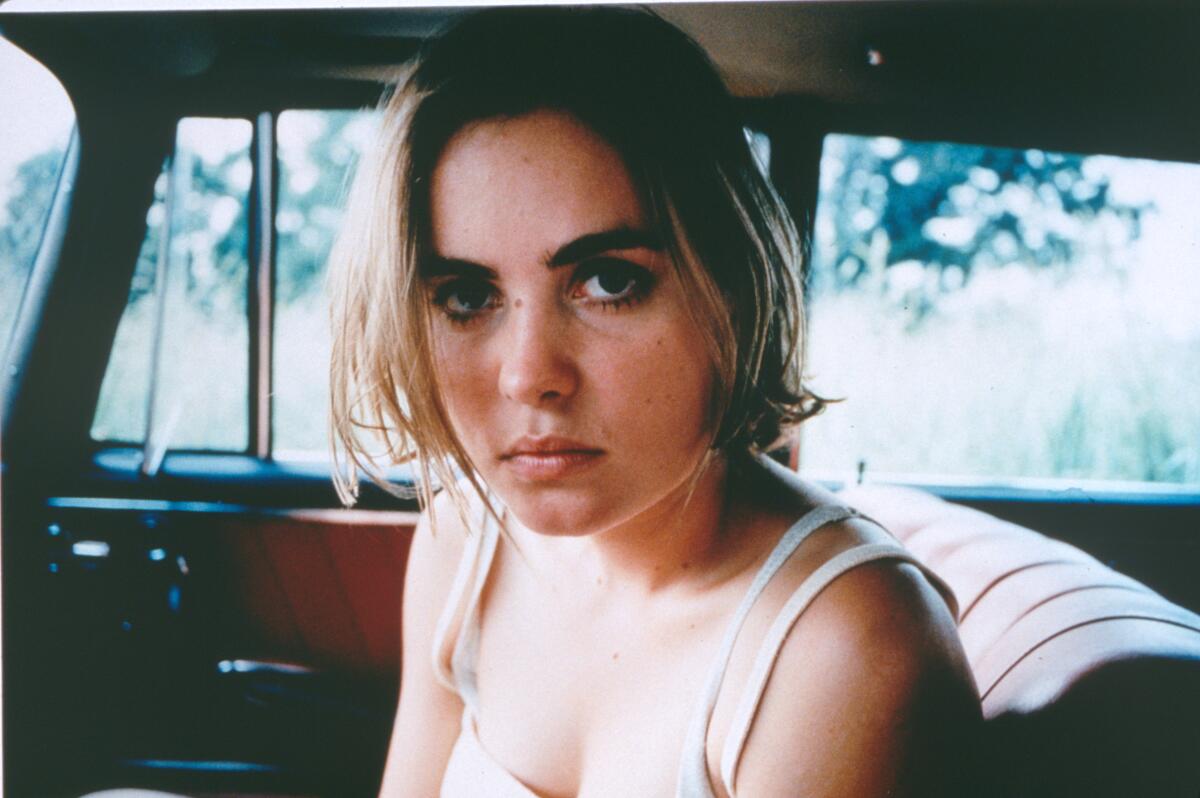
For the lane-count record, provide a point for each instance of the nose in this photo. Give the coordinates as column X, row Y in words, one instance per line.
column 537, row 366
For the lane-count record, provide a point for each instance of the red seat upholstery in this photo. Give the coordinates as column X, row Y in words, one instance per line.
column 1090, row 681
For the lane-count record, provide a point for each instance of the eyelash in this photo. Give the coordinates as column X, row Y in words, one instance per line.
column 445, row 291
column 641, row 280
column 641, row 283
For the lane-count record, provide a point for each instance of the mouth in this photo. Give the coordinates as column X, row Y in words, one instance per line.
column 549, row 458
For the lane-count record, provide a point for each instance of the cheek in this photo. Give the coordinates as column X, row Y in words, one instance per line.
column 666, row 389
column 461, row 375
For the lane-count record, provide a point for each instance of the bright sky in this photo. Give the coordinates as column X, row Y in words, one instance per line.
column 37, row 114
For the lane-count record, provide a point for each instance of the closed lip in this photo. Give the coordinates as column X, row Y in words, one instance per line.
column 548, row 446
column 549, row 458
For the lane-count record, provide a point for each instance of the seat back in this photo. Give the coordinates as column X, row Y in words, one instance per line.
column 1089, row 680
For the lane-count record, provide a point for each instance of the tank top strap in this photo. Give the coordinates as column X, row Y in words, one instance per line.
column 455, row 669
column 693, row 774
column 772, row 644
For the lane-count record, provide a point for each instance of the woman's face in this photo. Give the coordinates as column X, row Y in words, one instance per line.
column 570, row 366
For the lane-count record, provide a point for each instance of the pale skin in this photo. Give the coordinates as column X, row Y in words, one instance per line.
column 606, row 603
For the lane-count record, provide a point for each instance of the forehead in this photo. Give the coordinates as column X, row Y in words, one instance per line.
column 514, row 188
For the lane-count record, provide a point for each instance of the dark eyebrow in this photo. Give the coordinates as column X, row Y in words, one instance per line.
column 584, row 247
column 437, row 266
column 592, row 244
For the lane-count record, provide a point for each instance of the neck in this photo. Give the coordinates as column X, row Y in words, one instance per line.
column 678, row 538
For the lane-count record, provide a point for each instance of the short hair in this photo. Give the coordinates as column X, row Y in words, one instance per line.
column 652, row 94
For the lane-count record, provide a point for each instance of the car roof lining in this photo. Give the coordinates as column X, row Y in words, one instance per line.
column 1096, row 76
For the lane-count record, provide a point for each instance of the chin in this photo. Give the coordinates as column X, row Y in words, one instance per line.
column 557, row 513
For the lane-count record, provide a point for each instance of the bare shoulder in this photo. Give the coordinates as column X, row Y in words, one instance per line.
column 439, row 541
column 427, row 719
column 871, row 695
column 437, row 548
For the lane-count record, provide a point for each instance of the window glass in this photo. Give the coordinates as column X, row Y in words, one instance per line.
column 121, row 413
column 317, row 154
column 35, row 124
column 1001, row 315
column 180, row 362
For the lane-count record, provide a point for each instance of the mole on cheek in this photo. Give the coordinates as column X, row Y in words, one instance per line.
column 516, row 303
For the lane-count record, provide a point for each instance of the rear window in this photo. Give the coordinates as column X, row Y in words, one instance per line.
column 1004, row 316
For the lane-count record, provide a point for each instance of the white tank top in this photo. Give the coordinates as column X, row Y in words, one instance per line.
column 472, row 772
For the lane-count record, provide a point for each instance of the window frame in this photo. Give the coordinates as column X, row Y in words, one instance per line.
column 261, row 252
column 112, row 460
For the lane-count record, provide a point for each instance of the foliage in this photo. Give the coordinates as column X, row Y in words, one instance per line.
column 28, row 204
column 21, row 225
column 313, row 184
column 949, row 210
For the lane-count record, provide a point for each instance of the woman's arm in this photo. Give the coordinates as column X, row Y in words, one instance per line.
column 871, row 696
column 429, row 716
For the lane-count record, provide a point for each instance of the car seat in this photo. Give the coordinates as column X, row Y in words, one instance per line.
column 1090, row 681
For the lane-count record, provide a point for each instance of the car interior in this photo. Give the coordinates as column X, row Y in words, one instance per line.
column 188, row 607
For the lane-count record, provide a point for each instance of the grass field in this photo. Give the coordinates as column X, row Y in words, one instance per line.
column 1019, row 374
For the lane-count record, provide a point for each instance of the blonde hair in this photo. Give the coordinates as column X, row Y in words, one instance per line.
column 652, row 94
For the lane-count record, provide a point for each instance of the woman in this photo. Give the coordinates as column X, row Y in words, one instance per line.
column 566, row 292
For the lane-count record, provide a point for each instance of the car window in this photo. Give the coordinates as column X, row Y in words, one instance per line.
column 317, row 154
column 193, row 391
column 36, row 119
column 179, row 369
column 1003, row 315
